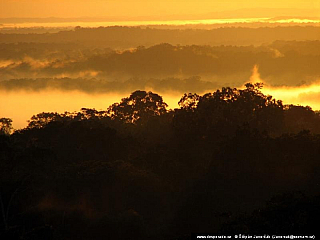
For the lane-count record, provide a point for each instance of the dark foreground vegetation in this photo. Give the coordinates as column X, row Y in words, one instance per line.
column 232, row 161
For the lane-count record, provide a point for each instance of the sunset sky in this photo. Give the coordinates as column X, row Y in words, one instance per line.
column 126, row 8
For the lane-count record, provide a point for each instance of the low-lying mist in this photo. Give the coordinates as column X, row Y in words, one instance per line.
column 59, row 77
column 280, row 63
column 102, row 86
column 24, row 101
column 301, row 95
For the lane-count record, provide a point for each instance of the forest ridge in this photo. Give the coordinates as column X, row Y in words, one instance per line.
column 139, row 169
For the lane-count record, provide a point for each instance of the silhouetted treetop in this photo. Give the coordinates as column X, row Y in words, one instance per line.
column 138, row 107
column 5, row 126
column 189, row 101
column 229, row 108
column 42, row 119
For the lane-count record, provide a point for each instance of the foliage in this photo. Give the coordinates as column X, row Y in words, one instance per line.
column 138, row 108
column 5, row 126
column 140, row 171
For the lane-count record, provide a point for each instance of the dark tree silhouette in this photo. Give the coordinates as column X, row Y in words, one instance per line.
column 299, row 118
column 140, row 171
column 5, row 126
column 189, row 101
column 42, row 119
column 230, row 108
column 138, row 108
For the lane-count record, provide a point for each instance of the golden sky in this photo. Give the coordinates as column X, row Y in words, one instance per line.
column 131, row 8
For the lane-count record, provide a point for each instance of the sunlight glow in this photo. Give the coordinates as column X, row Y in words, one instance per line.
column 301, row 95
column 21, row 105
column 298, row 95
column 159, row 23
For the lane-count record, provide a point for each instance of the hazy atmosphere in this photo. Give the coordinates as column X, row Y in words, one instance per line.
column 159, row 119
column 147, row 8
column 117, row 60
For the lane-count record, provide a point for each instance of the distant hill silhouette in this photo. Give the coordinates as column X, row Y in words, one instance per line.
column 126, row 37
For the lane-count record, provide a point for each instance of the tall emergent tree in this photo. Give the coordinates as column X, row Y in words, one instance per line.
column 138, row 108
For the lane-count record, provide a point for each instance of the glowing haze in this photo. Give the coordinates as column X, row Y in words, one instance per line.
column 132, row 9
column 299, row 95
column 30, row 103
column 23, row 104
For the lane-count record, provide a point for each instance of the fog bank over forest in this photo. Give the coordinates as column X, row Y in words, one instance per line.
column 99, row 63
column 280, row 63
